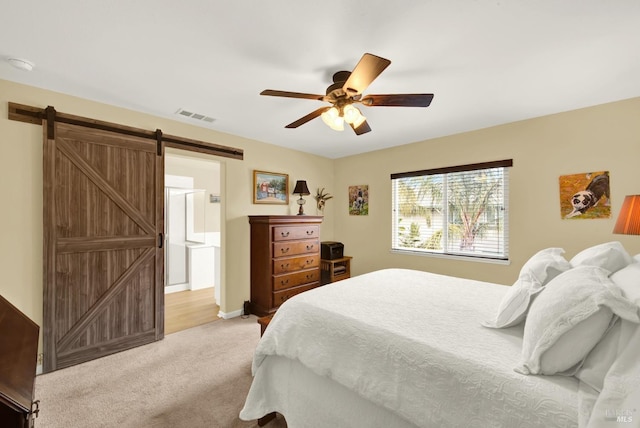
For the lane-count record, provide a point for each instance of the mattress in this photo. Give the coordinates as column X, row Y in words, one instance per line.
column 409, row 344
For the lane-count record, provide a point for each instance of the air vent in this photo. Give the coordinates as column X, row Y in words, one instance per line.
column 195, row 116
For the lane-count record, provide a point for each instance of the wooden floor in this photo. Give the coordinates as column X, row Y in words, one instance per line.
column 186, row 309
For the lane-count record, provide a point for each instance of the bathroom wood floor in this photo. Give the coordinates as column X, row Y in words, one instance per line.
column 186, row 309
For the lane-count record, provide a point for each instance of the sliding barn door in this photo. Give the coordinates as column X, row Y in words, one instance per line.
column 103, row 262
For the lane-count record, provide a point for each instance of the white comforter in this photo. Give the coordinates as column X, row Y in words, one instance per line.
column 618, row 405
column 412, row 342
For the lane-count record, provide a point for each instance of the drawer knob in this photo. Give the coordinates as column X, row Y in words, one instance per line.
column 283, row 266
column 309, row 247
column 284, row 234
column 284, row 282
column 310, row 276
column 310, row 232
column 309, row 261
column 284, row 250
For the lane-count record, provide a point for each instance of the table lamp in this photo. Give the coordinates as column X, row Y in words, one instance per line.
column 628, row 222
column 301, row 189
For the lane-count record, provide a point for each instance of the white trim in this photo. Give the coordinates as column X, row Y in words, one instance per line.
column 39, row 369
column 176, row 288
column 476, row 259
column 226, row 316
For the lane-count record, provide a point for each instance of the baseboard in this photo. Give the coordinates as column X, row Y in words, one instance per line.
column 176, row 288
column 39, row 369
column 226, row 316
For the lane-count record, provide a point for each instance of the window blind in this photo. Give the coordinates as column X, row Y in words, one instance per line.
column 460, row 210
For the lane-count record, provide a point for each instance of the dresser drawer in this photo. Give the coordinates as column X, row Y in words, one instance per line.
column 286, row 248
column 288, row 233
column 293, row 264
column 282, row 282
column 279, row 297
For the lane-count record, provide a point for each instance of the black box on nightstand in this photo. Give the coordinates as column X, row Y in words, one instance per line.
column 331, row 250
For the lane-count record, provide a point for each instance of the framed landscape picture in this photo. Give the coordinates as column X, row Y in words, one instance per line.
column 270, row 188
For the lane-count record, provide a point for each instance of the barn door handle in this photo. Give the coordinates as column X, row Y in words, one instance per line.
column 35, row 410
column 160, row 240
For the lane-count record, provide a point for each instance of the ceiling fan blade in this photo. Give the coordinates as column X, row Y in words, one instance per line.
column 287, row 94
column 398, row 100
column 362, row 129
column 365, row 72
column 308, row 117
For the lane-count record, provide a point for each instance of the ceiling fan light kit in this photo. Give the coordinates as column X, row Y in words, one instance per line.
column 346, row 90
column 333, row 119
column 352, row 115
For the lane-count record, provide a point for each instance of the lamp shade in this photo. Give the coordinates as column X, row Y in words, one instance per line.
column 628, row 222
column 301, row 188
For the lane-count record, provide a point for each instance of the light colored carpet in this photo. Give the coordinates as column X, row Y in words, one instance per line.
column 194, row 378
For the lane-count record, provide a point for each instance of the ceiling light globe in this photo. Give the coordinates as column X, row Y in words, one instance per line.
column 350, row 113
column 359, row 120
column 332, row 119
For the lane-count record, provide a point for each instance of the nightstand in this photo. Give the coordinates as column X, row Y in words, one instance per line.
column 335, row 270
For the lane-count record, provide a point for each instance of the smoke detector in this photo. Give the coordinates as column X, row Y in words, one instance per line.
column 21, row 64
column 195, row 116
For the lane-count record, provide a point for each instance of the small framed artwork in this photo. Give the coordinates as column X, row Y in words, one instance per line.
column 359, row 199
column 585, row 195
column 270, row 188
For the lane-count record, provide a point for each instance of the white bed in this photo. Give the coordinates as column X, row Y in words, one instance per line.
column 404, row 348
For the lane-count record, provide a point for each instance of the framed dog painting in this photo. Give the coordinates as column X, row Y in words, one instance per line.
column 585, row 195
column 359, row 200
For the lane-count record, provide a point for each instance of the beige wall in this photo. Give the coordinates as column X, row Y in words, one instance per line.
column 21, row 178
column 605, row 137
column 597, row 138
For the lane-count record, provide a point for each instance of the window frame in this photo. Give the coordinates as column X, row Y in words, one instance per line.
column 498, row 259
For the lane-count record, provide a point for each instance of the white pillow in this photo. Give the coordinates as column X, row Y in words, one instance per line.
column 599, row 361
column 628, row 279
column 535, row 273
column 568, row 319
column 611, row 256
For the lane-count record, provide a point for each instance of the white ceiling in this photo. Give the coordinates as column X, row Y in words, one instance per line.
column 487, row 62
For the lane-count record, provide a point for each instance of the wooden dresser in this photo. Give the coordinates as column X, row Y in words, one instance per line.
column 18, row 359
column 285, row 259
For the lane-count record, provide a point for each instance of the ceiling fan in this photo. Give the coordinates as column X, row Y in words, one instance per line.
column 346, row 90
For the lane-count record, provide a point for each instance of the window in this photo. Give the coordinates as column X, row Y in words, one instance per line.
column 459, row 210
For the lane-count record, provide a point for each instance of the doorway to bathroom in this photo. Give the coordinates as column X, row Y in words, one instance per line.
column 192, row 240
